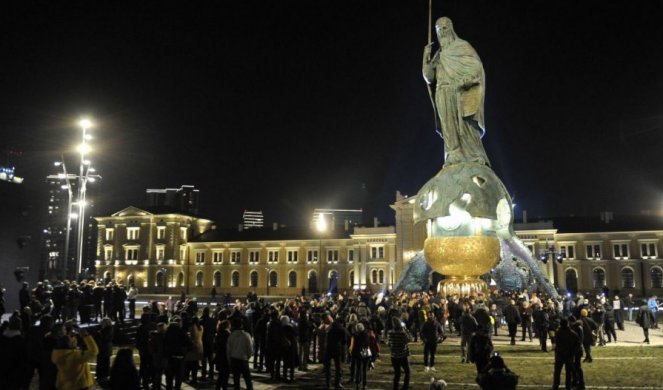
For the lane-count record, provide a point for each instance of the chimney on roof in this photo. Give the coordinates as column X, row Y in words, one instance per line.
column 275, row 226
column 375, row 222
column 240, row 227
column 524, row 216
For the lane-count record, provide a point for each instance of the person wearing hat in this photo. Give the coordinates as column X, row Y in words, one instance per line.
column 568, row 344
column 497, row 375
column 72, row 362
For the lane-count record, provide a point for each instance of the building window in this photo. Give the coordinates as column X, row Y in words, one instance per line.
column 627, row 278
column 132, row 254
column 332, row 256
column 254, row 256
column 234, row 279
column 292, row 279
column 161, row 232
column 110, row 233
column 648, row 250
column 312, row 256
column 351, row 279
column 656, row 277
column 182, row 252
column 132, row 233
column 199, row 279
column 217, row 257
column 183, row 233
column 593, row 251
column 159, row 280
column 235, row 257
column 217, row 279
column 253, row 279
column 273, row 256
column 273, row 279
column 108, row 253
column 620, row 251
column 568, row 251
column 293, row 256
column 161, row 252
column 200, row 257
column 374, row 276
column 351, row 255
column 381, row 276
column 180, row 279
column 377, row 252
column 599, row 277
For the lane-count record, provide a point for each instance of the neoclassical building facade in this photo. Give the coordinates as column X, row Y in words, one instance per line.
column 170, row 252
column 167, row 253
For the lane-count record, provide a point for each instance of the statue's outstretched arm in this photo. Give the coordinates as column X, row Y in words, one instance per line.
column 428, row 68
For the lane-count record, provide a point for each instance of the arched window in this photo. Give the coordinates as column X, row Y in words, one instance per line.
column 571, row 280
column 381, row 276
column 273, row 279
column 130, row 280
column 234, row 279
column 199, row 279
column 627, row 278
column 656, row 277
column 351, row 279
column 159, row 279
column 180, row 279
column 292, row 279
column 253, row 279
column 333, row 281
column 312, row 282
column 599, row 277
column 374, row 276
column 107, row 277
column 217, row 279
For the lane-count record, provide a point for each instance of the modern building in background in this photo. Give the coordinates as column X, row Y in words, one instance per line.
column 184, row 199
column 252, row 219
column 338, row 219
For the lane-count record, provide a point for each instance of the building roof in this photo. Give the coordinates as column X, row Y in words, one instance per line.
column 603, row 223
column 269, row 234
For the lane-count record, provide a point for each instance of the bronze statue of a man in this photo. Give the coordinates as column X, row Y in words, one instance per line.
column 459, row 94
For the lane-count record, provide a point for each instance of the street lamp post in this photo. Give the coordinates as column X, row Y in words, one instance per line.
column 65, row 175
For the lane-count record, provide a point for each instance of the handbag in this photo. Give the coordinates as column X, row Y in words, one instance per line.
column 365, row 353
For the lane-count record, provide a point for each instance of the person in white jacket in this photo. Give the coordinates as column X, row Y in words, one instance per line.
column 240, row 349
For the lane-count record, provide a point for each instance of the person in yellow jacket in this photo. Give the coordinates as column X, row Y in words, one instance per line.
column 72, row 362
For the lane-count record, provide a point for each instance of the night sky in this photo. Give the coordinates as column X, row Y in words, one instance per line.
column 283, row 106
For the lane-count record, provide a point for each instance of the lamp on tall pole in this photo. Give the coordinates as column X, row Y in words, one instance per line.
column 83, row 178
column 67, row 178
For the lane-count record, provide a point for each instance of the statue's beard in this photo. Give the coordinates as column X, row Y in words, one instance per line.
column 445, row 41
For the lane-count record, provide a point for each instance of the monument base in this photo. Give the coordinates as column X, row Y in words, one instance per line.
column 462, row 286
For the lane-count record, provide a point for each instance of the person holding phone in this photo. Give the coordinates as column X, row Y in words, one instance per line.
column 72, row 362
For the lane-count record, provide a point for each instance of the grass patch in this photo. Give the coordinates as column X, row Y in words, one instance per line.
column 613, row 366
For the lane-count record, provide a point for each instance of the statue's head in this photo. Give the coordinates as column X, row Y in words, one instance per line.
column 444, row 29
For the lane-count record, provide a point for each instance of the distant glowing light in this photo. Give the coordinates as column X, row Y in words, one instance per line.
column 321, row 223
column 73, row 215
column 88, row 136
column 85, row 123
column 84, row 148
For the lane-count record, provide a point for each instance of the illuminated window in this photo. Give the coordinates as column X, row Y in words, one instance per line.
column 132, row 254
column 235, row 257
column 183, row 233
column 312, row 256
column 234, row 279
column 108, row 253
column 273, row 256
column 161, row 252
column 620, row 251
column 254, row 256
column 293, row 256
column 217, row 257
column 377, row 252
column 351, row 255
column 110, row 233
column 332, row 256
column 568, row 251
column 593, row 251
column 200, row 257
column 627, row 278
column 292, row 279
column 132, row 233
column 648, row 250
column 161, row 232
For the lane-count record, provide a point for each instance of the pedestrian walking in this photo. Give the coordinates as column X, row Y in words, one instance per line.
column 239, row 351
column 398, row 340
column 566, row 350
column 646, row 320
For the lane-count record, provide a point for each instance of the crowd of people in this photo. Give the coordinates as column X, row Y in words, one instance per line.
column 182, row 341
